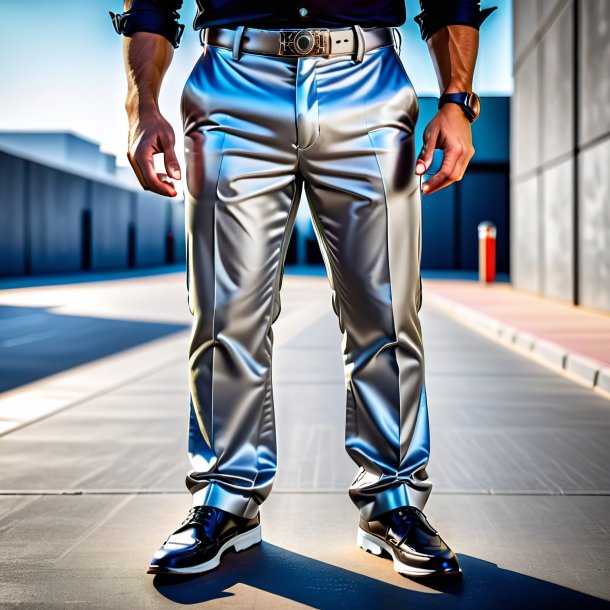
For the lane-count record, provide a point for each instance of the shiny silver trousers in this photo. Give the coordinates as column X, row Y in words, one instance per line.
column 257, row 131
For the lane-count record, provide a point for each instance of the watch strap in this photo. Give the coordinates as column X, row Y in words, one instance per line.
column 461, row 99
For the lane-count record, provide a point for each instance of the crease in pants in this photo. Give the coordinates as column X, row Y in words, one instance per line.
column 256, row 131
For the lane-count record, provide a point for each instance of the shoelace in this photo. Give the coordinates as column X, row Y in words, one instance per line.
column 424, row 520
column 200, row 515
column 412, row 515
column 404, row 516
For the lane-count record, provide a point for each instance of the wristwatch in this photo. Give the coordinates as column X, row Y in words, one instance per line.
column 468, row 102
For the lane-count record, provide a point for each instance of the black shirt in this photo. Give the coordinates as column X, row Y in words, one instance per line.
column 161, row 16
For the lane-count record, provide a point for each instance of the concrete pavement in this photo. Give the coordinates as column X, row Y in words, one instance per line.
column 89, row 490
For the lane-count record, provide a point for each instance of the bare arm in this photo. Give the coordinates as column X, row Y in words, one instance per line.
column 147, row 57
column 454, row 52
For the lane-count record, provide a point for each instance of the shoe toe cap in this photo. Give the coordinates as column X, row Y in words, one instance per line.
column 172, row 555
column 446, row 564
column 442, row 562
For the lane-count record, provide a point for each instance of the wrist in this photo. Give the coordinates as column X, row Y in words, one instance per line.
column 457, row 87
column 450, row 109
column 453, row 113
column 140, row 102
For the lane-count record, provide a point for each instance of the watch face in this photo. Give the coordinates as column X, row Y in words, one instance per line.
column 474, row 104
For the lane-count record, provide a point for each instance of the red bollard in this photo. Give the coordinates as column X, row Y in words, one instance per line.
column 487, row 251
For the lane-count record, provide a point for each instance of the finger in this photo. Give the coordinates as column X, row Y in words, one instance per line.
column 165, row 179
column 446, row 174
column 426, row 154
column 152, row 180
column 172, row 167
column 421, row 167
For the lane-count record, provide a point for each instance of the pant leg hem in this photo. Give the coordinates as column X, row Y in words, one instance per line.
column 213, row 494
column 371, row 504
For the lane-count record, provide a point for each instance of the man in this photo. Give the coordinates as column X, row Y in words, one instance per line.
column 309, row 94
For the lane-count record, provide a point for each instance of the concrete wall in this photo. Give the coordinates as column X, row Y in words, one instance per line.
column 110, row 215
column 594, row 160
column 55, row 205
column 13, row 213
column 55, row 220
column 560, row 156
column 152, row 217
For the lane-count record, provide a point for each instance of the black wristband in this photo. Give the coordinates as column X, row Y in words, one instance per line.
column 460, row 100
column 128, row 24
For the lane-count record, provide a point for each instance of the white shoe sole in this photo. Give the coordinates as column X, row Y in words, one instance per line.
column 241, row 542
column 376, row 546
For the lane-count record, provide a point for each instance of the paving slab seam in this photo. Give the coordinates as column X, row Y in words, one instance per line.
column 309, row 492
column 585, row 371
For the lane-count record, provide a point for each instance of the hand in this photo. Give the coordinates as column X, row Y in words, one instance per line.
column 450, row 132
column 149, row 134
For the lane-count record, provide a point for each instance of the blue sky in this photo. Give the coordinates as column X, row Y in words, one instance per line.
column 61, row 66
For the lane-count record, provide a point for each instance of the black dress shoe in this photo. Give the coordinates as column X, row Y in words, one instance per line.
column 414, row 545
column 198, row 544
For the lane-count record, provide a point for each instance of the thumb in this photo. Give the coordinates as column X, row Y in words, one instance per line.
column 424, row 160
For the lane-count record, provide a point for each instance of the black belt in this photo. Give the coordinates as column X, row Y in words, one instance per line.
column 326, row 42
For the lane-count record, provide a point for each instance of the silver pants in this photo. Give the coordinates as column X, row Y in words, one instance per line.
column 257, row 130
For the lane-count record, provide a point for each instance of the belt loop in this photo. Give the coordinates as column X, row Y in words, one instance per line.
column 359, row 44
column 239, row 32
column 395, row 30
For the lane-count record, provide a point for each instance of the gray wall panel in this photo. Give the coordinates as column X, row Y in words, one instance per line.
column 525, row 242
column 558, row 227
column 12, row 214
column 57, row 200
column 594, row 69
column 525, row 124
column 111, row 213
column 151, row 227
column 525, row 16
column 574, row 85
column 594, row 225
column 557, row 50
column 547, row 7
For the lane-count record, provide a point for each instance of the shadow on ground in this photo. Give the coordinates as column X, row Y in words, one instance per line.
column 36, row 343
column 320, row 585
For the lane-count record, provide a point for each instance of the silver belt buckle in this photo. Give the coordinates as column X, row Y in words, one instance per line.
column 305, row 42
